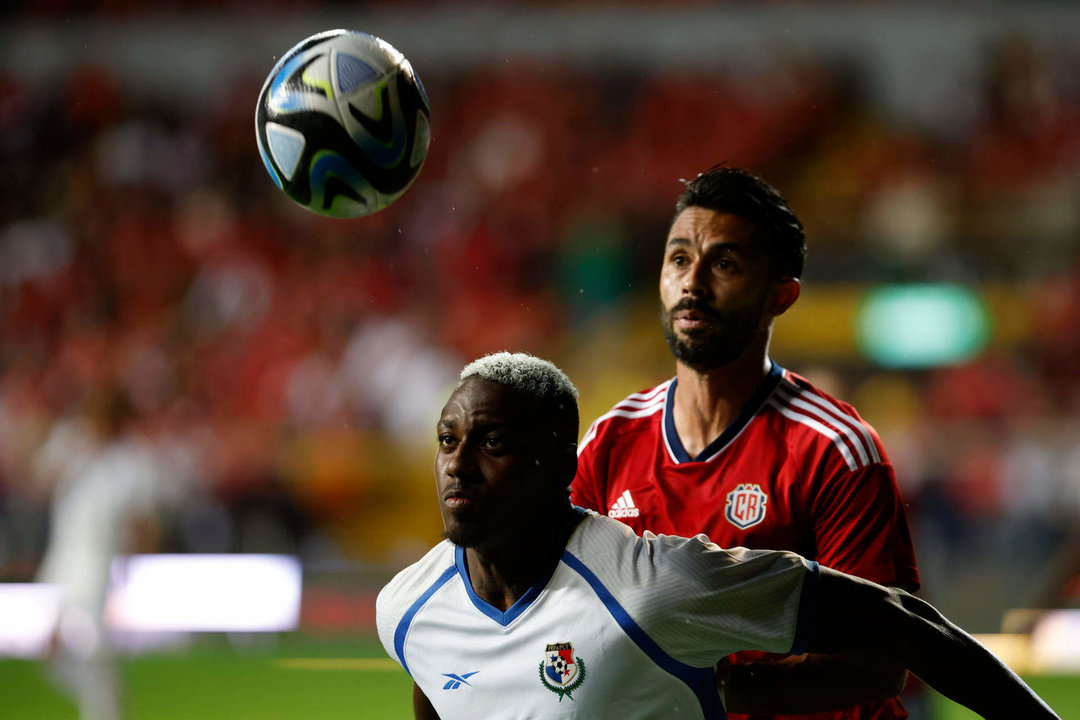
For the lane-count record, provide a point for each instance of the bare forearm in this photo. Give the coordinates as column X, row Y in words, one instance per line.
column 959, row 667
column 856, row 615
column 811, row 683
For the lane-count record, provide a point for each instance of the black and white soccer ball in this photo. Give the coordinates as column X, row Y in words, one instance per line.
column 343, row 123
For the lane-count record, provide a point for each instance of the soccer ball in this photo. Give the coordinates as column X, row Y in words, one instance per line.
column 343, row 124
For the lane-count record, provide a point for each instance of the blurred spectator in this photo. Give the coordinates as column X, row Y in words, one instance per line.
column 107, row 489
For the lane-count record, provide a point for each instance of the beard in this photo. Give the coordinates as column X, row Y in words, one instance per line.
column 718, row 345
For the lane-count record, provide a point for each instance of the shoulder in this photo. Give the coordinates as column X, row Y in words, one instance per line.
column 412, row 583
column 624, row 560
column 693, row 597
column 634, row 412
column 598, row 535
column 818, row 424
column 612, row 557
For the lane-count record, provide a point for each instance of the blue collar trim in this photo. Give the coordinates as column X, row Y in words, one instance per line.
column 508, row 616
column 772, row 379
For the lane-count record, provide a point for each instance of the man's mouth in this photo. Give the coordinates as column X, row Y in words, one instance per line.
column 458, row 499
column 693, row 319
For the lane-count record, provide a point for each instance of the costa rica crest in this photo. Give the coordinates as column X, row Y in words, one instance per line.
column 561, row 672
column 746, row 505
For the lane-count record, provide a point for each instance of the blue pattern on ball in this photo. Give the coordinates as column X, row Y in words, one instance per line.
column 282, row 99
column 353, row 72
column 269, row 167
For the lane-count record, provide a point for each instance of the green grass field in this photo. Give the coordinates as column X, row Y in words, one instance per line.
column 300, row 679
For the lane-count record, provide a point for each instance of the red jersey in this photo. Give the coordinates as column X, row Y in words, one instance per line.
column 796, row 470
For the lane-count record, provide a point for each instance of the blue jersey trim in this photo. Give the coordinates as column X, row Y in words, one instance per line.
column 702, row 681
column 511, row 613
column 523, row 602
column 807, row 599
column 772, row 379
column 406, row 619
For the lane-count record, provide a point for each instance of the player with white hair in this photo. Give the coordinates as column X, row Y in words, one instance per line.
column 531, row 375
column 533, row 607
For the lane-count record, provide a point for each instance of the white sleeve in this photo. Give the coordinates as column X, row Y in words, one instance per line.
column 387, row 616
column 404, row 595
column 700, row 602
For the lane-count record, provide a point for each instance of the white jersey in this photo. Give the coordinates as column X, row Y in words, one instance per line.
column 623, row 627
column 92, row 510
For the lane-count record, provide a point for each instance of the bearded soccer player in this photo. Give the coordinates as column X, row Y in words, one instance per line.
column 748, row 453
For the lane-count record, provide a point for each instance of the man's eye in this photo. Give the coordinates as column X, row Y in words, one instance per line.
column 725, row 264
column 679, row 260
column 492, row 443
column 446, row 439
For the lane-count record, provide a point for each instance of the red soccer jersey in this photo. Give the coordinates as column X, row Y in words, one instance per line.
column 797, row 470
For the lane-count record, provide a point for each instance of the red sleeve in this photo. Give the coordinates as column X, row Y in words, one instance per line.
column 861, row 528
column 585, row 490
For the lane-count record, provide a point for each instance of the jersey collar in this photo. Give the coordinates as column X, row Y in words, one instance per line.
column 522, row 604
column 671, row 437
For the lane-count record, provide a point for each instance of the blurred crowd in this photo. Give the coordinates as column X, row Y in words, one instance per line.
column 286, row 369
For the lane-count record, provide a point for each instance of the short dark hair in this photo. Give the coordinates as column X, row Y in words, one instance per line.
column 743, row 193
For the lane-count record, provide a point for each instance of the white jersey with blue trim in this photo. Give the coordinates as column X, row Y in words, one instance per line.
column 622, row 627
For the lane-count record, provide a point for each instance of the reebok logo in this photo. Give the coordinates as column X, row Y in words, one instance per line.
column 624, row 507
column 456, row 680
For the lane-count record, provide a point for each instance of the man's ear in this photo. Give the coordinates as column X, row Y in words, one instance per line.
column 783, row 294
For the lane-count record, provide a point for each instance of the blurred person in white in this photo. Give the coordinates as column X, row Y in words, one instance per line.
column 106, row 485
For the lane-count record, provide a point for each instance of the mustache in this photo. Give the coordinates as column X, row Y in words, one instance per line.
column 695, row 305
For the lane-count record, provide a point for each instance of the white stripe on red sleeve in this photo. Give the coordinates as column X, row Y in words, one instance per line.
column 619, row 411
column 828, row 432
column 801, row 402
column 847, row 418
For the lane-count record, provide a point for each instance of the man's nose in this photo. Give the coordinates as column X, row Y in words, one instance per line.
column 695, row 281
column 461, row 463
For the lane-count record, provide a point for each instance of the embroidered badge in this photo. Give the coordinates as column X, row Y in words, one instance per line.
column 745, row 505
column 561, row 672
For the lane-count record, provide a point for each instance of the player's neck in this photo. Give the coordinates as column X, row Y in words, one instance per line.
column 706, row 403
column 501, row 572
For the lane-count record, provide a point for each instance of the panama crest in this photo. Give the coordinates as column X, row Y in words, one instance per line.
column 560, row 671
column 746, row 505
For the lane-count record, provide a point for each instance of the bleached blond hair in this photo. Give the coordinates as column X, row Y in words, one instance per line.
column 535, row 377
column 527, row 373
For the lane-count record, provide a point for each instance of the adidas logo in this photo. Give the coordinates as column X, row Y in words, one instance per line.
column 624, row 507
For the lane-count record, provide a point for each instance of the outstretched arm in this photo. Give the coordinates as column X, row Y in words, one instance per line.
column 854, row 615
column 808, row 683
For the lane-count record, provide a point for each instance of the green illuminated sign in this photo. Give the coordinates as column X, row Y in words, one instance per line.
column 921, row 325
